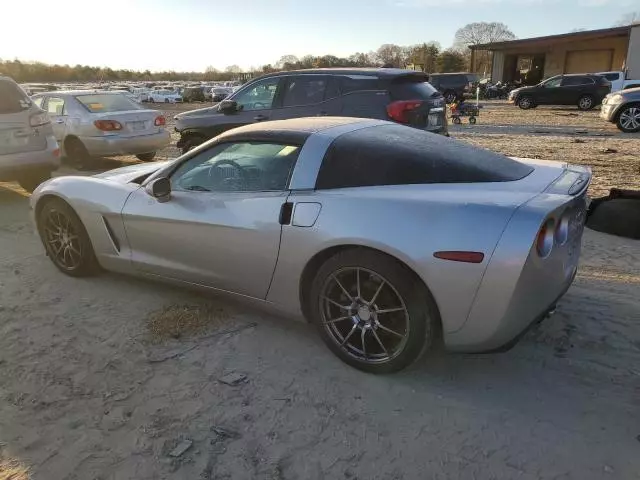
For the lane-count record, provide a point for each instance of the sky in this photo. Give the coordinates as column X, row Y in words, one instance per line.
column 189, row 35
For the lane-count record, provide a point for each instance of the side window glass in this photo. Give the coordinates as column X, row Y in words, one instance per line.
column 553, row 83
column 258, row 96
column 612, row 77
column 237, row 167
column 304, row 90
column 333, row 88
column 55, row 106
column 350, row 84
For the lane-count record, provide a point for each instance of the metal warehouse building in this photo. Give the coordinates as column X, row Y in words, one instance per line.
column 533, row 59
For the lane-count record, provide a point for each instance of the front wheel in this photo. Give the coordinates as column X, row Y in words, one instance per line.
column 629, row 119
column 472, row 120
column 525, row 103
column 30, row 181
column 371, row 311
column 586, row 102
column 146, row 157
column 65, row 239
column 191, row 143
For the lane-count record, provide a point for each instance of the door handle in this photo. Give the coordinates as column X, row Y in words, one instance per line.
column 260, row 118
column 60, row 120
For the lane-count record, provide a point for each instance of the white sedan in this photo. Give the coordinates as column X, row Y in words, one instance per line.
column 164, row 96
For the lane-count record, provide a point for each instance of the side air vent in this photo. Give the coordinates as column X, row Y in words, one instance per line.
column 112, row 236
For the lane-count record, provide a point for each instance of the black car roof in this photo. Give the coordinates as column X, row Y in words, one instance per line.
column 378, row 72
column 295, row 130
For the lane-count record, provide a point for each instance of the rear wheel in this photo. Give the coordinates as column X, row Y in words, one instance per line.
column 30, row 181
column 457, row 120
column 586, row 102
column 472, row 120
column 371, row 311
column 146, row 157
column 525, row 102
column 76, row 152
column 65, row 239
column 629, row 119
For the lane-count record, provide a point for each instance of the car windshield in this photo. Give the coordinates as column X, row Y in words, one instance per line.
column 12, row 98
column 100, row 103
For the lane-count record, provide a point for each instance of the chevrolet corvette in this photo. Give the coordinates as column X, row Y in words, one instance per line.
column 385, row 237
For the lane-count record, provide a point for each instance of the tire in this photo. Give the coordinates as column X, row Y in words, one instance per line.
column 151, row 100
column 166, row 100
column 191, row 143
column 586, row 102
column 450, row 96
column 65, row 239
column 76, row 152
column 457, row 121
column 526, row 102
column 472, row 120
column 380, row 345
column 30, row 181
column 146, row 157
column 628, row 120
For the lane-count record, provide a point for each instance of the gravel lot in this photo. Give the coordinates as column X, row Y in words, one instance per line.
column 116, row 378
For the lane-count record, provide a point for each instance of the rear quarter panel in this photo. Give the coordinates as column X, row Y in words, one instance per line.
column 409, row 223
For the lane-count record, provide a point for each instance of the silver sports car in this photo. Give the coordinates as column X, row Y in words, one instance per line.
column 387, row 238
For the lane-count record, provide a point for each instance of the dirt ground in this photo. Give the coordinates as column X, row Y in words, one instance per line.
column 117, row 378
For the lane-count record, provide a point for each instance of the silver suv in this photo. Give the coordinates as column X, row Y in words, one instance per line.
column 28, row 149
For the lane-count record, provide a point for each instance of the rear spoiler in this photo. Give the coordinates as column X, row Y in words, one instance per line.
column 574, row 181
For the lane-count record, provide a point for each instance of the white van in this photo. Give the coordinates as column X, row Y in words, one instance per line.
column 28, row 150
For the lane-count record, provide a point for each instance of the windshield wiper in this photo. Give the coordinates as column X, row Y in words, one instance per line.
column 197, row 188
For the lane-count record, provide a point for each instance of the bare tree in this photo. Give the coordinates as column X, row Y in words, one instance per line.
column 287, row 60
column 233, row 69
column 391, row 55
column 481, row 33
column 631, row 18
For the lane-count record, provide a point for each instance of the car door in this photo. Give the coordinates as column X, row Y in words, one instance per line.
column 256, row 102
column 55, row 107
column 309, row 96
column 549, row 93
column 220, row 228
column 574, row 87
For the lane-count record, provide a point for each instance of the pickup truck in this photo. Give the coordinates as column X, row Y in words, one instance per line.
column 618, row 81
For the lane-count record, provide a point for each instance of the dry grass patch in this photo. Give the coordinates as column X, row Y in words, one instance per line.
column 178, row 321
column 13, row 470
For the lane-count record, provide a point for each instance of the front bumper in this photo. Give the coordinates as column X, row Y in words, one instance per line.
column 109, row 146
column 608, row 111
column 14, row 165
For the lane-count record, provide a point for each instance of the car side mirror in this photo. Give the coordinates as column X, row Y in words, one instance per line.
column 227, row 106
column 160, row 189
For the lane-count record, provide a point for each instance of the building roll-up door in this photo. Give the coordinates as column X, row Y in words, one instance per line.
column 588, row 61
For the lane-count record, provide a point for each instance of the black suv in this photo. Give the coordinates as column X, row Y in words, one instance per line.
column 403, row 96
column 453, row 85
column 584, row 90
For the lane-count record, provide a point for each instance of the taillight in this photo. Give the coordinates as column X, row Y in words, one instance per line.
column 39, row 119
column 545, row 239
column 108, row 125
column 399, row 111
column 160, row 121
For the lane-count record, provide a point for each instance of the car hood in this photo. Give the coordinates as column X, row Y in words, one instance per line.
column 197, row 118
column 524, row 89
column 132, row 172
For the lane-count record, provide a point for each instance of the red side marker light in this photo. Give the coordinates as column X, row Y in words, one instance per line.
column 466, row 257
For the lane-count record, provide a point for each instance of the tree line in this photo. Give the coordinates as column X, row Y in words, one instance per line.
column 428, row 56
